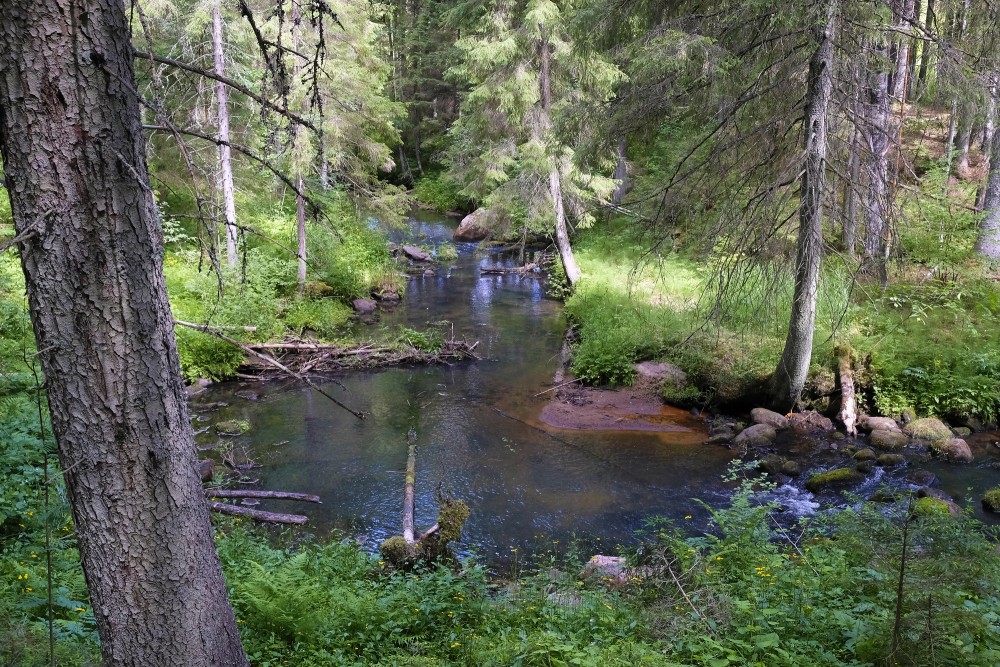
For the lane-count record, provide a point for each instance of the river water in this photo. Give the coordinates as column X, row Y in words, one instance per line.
column 531, row 488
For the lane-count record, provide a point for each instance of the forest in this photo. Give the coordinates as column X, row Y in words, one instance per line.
column 431, row 237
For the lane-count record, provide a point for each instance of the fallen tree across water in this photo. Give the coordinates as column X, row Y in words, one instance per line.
column 304, row 357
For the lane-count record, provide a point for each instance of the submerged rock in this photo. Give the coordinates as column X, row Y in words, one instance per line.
column 922, row 478
column 232, row 427
column 769, row 417
column 928, row 428
column 416, row 254
column 865, row 455
column 791, row 468
column 952, row 449
column 890, row 460
column 364, row 306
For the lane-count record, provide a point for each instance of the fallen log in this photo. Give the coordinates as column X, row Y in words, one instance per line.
column 848, row 399
column 411, row 474
column 260, row 493
column 258, row 515
column 501, row 270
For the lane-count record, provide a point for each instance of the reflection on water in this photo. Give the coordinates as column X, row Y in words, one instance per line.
column 524, row 486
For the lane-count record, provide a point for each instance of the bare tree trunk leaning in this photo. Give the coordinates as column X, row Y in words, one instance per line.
column 848, row 414
column 790, row 376
column 570, row 266
column 76, row 171
column 876, row 131
column 225, row 153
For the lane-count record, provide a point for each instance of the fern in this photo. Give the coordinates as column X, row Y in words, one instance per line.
column 286, row 599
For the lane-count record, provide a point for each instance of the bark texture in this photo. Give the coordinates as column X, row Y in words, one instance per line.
column 790, row 376
column 988, row 244
column 76, row 169
column 876, row 132
column 225, row 153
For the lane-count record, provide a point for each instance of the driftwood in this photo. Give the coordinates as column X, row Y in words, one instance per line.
column 258, row 515
column 519, row 270
column 848, row 399
column 411, row 475
column 267, row 359
column 301, row 357
column 260, row 493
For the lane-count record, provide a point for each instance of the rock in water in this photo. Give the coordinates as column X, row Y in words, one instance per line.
column 364, row 306
column 417, row 254
column 769, row 417
column 474, row 227
column 928, row 428
column 952, row 449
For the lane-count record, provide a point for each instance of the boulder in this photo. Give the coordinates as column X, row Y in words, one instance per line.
column 936, row 507
column 833, row 478
column 868, row 424
column 928, row 492
column 416, row 254
column 609, row 569
column 962, row 431
column 928, row 428
column 474, row 227
column 429, row 272
column 771, row 464
column 890, row 460
column 991, row 501
column 865, row 454
column 364, row 306
column 922, row 478
column 769, row 417
column 754, row 436
column 952, row 449
column 891, row 440
column 865, row 467
column 809, row 420
column 908, row 415
column 791, row 468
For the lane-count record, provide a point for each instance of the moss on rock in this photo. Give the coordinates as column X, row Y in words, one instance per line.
column 889, row 460
column 928, row 428
column 232, row 427
column 888, row 440
column 831, row 478
column 991, row 500
column 935, row 507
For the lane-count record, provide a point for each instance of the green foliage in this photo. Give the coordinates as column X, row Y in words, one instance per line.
column 323, row 317
column 440, row 192
column 939, row 232
column 430, row 340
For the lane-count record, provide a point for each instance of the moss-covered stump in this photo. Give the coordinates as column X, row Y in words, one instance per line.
column 890, row 460
column 401, row 554
column 887, row 440
column 936, row 507
column 839, row 477
column 928, row 428
column 952, row 449
column 232, row 427
column 398, row 552
column 991, row 500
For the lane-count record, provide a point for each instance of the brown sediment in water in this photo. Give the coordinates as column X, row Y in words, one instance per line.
column 624, row 409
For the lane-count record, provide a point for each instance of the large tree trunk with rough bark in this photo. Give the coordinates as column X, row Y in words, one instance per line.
column 225, row 153
column 76, row 172
column 790, row 376
column 876, row 131
column 988, row 244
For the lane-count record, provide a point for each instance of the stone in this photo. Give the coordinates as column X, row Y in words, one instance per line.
column 929, row 492
column 429, row 272
column 991, row 501
column 474, row 227
column 720, row 439
column 206, row 470
column 908, row 415
column 865, row 454
column 952, row 449
column 771, row 464
column 962, row 431
column 890, row 460
column 868, row 424
column 364, row 306
column 891, row 440
column 248, row 395
column 232, row 427
column 922, row 478
column 769, row 417
column 416, row 254
column 810, row 420
column 883, row 496
column 928, row 428
column 936, row 507
column 609, row 569
column 837, row 477
column 754, row 436
column 791, row 468
column 865, row 467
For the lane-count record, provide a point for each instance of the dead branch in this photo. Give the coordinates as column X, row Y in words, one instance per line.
column 411, row 474
column 204, row 328
column 260, row 493
column 258, row 515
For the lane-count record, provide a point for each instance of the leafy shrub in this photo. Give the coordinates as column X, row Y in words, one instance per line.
column 440, row 192
column 325, row 317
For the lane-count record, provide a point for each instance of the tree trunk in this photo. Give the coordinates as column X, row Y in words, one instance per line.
column 621, row 173
column 904, row 20
column 876, row 131
column 930, row 19
column 850, row 231
column 988, row 244
column 225, row 154
column 75, row 163
column 570, row 266
column 964, row 142
column 790, row 375
column 300, row 203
